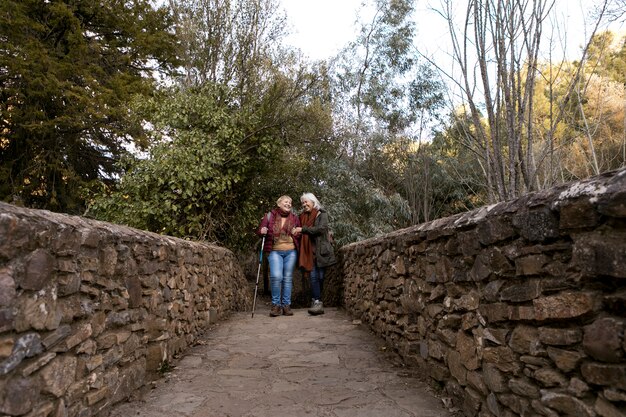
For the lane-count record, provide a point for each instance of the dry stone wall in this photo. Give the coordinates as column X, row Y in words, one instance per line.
column 90, row 311
column 518, row 308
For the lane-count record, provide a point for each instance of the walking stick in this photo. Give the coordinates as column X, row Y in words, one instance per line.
column 256, row 287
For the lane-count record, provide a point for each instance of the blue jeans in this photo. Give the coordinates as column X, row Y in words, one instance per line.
column 282, row 263
column 317, row 282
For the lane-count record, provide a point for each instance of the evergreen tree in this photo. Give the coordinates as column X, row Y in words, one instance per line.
column 67, row 70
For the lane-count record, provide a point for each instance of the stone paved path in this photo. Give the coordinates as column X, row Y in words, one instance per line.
column 324, row 366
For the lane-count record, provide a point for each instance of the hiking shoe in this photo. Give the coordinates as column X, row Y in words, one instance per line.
column 275, row 311
column 287, row 311
column 316, row 308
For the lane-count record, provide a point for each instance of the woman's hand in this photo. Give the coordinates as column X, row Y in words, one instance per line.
column 263, row 230
column 296, row 230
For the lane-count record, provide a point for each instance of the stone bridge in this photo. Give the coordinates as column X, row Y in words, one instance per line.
column 513, row 309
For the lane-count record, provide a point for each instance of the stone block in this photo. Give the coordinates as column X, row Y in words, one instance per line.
column 604, row 338
column 493, row 405
column 517, row 312
column 525, row 290
column 579, row 213
column 477, row 382
column 39, row 266
column 108, row 261
column 39, row 311
column 565, row 305
column 156, row 354
column 6, row 346
column 524, row 339
column 614, row 395
column 560, row 336
column 68, row 284
column 578, row 387
column 606, row 409
column 467, row 302
column 7, row 318
column 25, row 346
column 497, row 336
column 79, row 334
column 607, row 375
column 95, row 396
column 472, row 401
column 549, row 377
column 565, row 360
column 524, row 387
column 57, row 335
column 566, row 404
column 601, row 253
column 494, row 312
column 458, row 371
column 503, row 357
column 90, row 238
column 537, row 224
column 519, row 405
column 74, row 307
column 612, row 203
column 494, row 230
column 7, row 286
column 467, row 348
column 438, row 372
column 531, row 264
column 480, row 269
column 130, row 378
column 112, row 356
column 58, row 375
column 19, row 396
column 494, row 378
column 435, row 349
column 15, row 235
column 42, row 410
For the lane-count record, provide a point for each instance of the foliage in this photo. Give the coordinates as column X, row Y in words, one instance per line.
column 67, row 69
column 379, row 84
column 201, row 176
column 385, row 99
column 234, row 43
column 515, row 132
column 357, row 208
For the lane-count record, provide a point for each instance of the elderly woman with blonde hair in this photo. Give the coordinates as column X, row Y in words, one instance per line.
column 282, row 244
column 316, row 250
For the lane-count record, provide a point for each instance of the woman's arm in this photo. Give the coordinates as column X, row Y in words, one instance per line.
column 264, row 227
column 320, row 226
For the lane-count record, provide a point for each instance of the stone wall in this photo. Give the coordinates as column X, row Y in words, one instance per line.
column 90, row 311
column 518, row 308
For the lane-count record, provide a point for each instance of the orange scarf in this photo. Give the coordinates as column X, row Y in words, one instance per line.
column 307, row 247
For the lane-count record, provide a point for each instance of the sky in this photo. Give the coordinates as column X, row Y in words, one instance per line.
column 321, row 27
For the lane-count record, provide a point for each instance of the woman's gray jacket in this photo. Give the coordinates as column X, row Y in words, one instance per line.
column 319, row 232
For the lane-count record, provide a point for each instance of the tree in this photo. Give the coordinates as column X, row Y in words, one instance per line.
column 380, row 87
column 498, row 50
column 385, row 101
column 67, row 69
column 230, row 136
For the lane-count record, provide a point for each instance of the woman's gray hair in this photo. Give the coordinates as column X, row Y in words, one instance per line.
column 310, row 197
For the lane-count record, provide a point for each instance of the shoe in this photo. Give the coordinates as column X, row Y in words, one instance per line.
column 287, row 311
column 316, row 308
column 275, row 311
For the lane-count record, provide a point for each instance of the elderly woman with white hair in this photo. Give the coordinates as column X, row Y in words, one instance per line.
column 316, row 251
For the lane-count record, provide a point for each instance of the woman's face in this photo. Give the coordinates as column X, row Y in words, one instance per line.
column 285, row 204
column 307, row 205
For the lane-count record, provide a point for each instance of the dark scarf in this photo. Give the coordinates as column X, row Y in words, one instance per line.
column 286, row 229
column 307, row 246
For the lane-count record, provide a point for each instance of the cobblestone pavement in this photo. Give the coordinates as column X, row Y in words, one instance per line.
column 300, row 365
